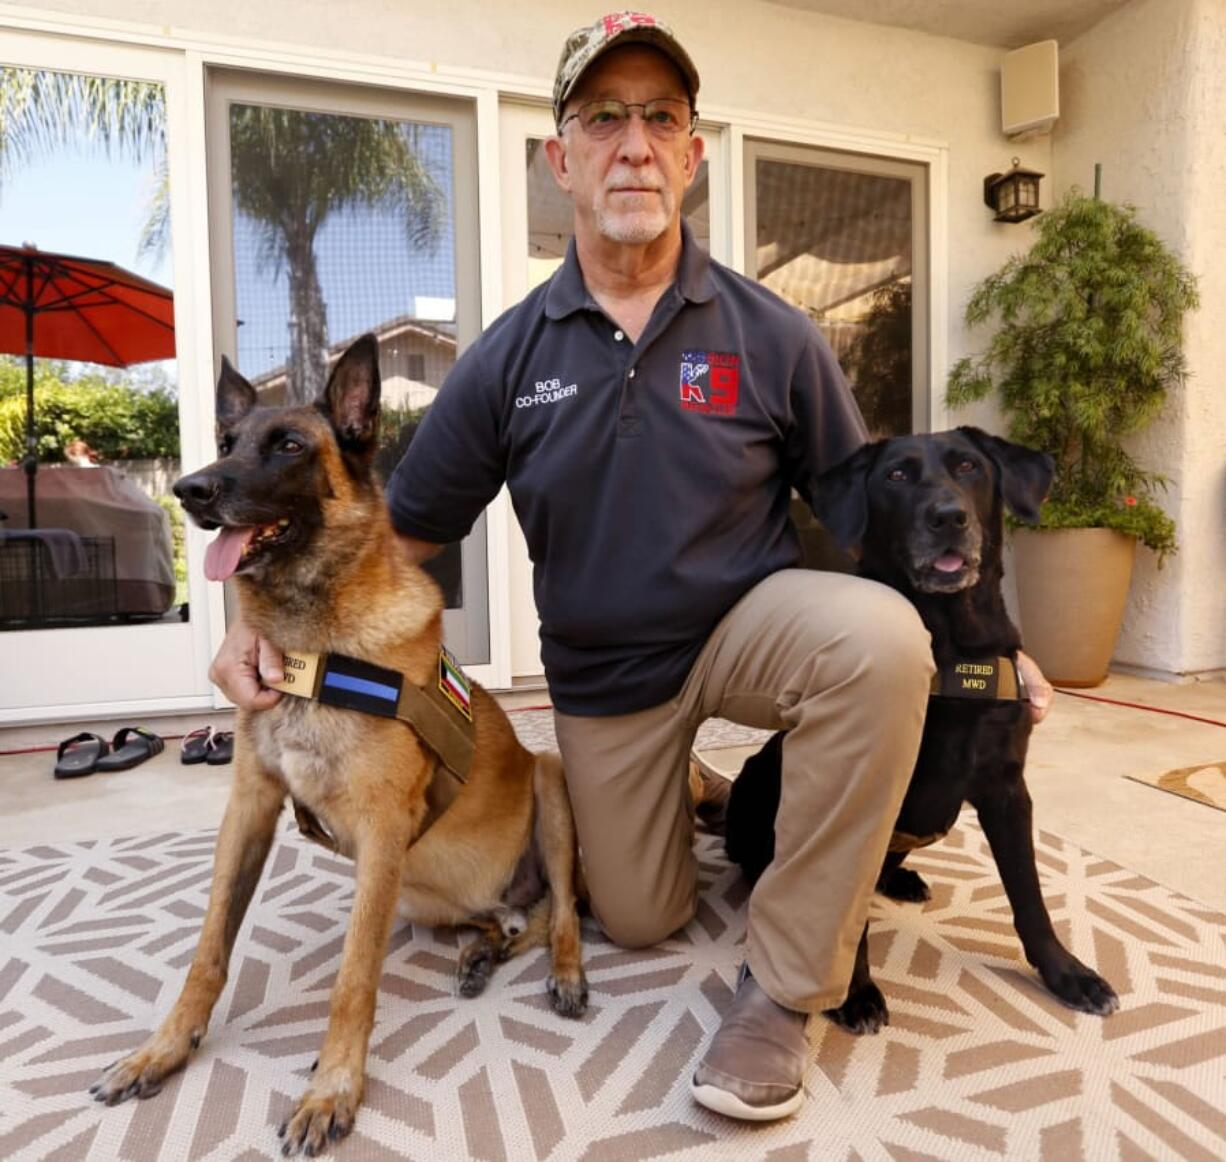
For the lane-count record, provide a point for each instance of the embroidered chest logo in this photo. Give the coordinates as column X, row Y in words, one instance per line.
column 546, row 391
column 710, row 382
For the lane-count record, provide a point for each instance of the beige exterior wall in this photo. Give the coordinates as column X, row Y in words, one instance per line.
column 1144, row 93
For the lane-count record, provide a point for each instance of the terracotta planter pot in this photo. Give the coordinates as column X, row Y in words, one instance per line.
column 1072, row 586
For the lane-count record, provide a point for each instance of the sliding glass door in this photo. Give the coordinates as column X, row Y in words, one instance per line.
column 338, row 210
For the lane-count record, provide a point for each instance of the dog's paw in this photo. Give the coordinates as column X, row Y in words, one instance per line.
column 905, row 885
column 476, row 966
column 1080, row 987
column 324, row 1114
column 141, row 1074
column 864, row 1011
column 569, row 996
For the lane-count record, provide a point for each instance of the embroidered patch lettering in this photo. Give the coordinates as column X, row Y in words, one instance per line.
column 547, row 391
column 710, row 382
column 971, row 679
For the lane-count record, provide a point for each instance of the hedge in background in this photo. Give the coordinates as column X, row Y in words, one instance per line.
column 118, row 421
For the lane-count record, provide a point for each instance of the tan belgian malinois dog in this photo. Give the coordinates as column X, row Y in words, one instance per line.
column 305, row 531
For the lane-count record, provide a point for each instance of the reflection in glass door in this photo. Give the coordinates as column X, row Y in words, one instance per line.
column 89, row 416
column 844, row 238
column 95, row 617
column 342, row 211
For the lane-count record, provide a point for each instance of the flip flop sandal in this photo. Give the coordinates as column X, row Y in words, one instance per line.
column 131, row 746
column 195, row 745
column 79, row 755
column 221, row 748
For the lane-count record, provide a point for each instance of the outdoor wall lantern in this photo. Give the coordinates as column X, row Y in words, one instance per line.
column 1013, row 195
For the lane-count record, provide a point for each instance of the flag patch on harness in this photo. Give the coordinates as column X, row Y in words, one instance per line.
column 360, row 686
column 454, row 684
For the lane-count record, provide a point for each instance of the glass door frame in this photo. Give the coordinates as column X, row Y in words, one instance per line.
column 112, row 671
column 225, row 86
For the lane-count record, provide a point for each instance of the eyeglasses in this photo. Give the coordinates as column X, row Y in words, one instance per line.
column 664, row 117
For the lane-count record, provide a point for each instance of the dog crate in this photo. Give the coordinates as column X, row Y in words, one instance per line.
column 40, row 586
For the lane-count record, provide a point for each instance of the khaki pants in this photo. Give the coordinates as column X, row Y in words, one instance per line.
column 843, row 665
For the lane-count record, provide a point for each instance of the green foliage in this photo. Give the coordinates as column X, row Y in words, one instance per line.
column 397, row 426
column 174, row 510
column 879, row 361
column 1139, row 518
column 118, row 421
column 1088, row 343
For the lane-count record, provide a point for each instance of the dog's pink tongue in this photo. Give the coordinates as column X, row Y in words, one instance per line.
column 224, row 553
column 948, row 563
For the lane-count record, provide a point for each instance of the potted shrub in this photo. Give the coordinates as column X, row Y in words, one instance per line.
column 1088, row 343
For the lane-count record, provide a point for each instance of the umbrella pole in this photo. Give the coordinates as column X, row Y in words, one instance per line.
column 30, row 463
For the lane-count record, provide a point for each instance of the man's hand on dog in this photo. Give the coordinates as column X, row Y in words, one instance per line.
column 1038, row 687
column 244, row 666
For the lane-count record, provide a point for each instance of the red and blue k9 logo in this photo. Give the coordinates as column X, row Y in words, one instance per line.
column 710, row 381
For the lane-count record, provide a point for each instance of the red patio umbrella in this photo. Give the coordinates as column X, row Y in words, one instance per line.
column 60, row 307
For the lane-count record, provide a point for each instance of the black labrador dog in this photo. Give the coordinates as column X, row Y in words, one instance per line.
column 926, row 514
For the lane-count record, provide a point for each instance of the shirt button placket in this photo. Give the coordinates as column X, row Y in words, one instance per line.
column 627, row 420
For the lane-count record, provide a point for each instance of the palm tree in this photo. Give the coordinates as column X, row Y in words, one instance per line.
column 290, row 172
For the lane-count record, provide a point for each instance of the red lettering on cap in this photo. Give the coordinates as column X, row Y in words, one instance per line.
column 617, row 22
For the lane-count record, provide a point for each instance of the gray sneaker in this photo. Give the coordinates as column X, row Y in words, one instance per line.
column 755, row 1064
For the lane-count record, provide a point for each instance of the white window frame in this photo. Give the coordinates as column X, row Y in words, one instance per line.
column 93, row 649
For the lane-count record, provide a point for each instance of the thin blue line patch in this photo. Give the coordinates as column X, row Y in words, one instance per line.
column 361, row 686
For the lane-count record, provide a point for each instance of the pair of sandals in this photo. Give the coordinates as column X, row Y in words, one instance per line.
column 85, row 753
column 206, row 745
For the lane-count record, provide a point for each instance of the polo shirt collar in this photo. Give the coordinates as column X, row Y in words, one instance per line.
column 568, row 293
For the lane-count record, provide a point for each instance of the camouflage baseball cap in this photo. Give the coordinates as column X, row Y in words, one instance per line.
column 585, row 45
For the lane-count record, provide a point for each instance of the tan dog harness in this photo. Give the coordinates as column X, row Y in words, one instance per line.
column 440, row 712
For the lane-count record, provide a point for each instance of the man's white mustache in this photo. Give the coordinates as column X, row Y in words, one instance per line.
column 636, row 184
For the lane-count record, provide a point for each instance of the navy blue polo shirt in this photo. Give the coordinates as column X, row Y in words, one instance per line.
column 651, row 479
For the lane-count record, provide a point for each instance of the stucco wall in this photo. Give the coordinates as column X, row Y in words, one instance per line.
column 1143, row 93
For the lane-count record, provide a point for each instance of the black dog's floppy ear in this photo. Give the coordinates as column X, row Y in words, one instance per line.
column 1025, row 475
column 235, row 397
column 840, row 497
column 351, row 399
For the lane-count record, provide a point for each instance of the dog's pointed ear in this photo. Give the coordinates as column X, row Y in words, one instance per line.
column 1025, row 475
column 235, row 397
column 351, row 399
column 840, row 497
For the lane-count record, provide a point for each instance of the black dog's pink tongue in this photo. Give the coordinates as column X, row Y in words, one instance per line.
column 948, row 563
column 224, row 553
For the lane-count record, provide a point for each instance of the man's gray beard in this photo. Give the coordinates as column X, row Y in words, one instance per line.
column 633, row 229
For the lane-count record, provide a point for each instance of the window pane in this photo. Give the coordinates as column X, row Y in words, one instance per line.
column 838, row 245
column 91, row 534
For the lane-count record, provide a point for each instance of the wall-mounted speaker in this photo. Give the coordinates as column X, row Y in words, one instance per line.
column 1030, row 90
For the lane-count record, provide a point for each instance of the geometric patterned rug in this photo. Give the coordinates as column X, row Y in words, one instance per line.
column 1203, row 783
column 978, row 1061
